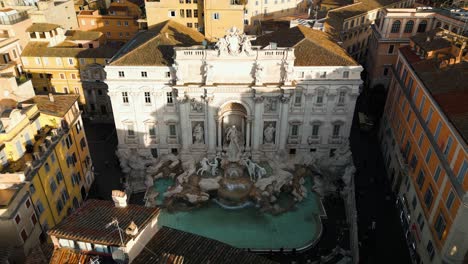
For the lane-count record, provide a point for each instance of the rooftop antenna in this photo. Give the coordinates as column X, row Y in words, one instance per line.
column 115, row 222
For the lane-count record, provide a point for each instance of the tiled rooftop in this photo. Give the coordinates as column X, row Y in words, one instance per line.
column 41, row 27
column 41, row 49
column 311, row 47
column 83, row 35
column 88, row 223
column 171, row 246
column 156, row 45
column 448, row 86
column 62, row 103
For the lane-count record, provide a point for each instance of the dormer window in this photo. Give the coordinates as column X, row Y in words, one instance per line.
column 32, row 35
column 42, row 35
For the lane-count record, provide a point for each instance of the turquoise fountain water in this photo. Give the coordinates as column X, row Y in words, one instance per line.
column 248, row 227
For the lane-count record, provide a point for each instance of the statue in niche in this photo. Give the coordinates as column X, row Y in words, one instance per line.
column 208, row 72
column 198, row 135
column 269, row 134
column 196, row 106
column 234, row 137
column 258, row 74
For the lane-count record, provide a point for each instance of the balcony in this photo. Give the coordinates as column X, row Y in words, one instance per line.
column 335, row 139
column 314, row 139
column 294, row 139
column 45, row 141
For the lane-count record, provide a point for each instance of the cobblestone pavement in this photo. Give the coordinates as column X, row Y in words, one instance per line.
column 102, row 141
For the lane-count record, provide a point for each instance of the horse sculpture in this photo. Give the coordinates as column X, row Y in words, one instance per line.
column 255, row 171
column 205, row 166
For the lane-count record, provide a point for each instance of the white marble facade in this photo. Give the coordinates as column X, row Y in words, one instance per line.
column 188, row 107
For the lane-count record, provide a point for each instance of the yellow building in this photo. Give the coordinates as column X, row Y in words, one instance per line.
column 43, row 148
column 54, row 60
column 211, row 17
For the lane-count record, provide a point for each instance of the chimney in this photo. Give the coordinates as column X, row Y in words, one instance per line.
column 51, row 97
column 132, row 229
column 119, row 198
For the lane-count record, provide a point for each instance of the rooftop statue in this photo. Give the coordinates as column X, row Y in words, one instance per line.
column 234, row 43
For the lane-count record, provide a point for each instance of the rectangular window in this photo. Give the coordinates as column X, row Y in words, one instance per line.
column 315, row 129
column 345, row 74
column 421, row 106
column 62, row 76
column 336, row 130
column 125, row 97
column 32, row 188
column 294, row 130
column 188, row 13
column 59, row 206
column 82, row 143
column 172, row 130
column 390, row 49
column 448, row 146
column 151, row 130
column 195, row 13
column 39, row 207
column 414, row 202
column 169, row 98
column 462, row 172
column 121, row 74
column 70, row 61
column 53, row 185
column 144, row 74
column 428, row 197
column 420, row 221
column 450, row 199
column 216, row 16
column 429, row 115
column 172, row 13
column 24, row 236
column 147, row 98
column 130, row 130
column 320, row 97
column 437, row 132
column 421, row 178
column 298, row 98
column 341, row 98
column 126, row 23
column 437, row 174
column 17, row 219
column 440, row 225
column 428, row 155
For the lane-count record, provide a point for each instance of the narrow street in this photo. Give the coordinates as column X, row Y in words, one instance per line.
column 102, row 142
column 385, row 242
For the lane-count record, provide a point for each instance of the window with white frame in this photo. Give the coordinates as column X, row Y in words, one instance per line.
column 70, row 61
column 169, row 97
column 294, row 130
column 336, row 130
column 144, row 74
column 125, row 97
column 130, row 130
column 341, row 97
column 172, row 13
column 121, row 74
column 345, row 74
column 320, row 95
column 216, row 16
column 298, row 98
column 151, row 130
column 172, row 130
column 147, row 98
column 315, row 129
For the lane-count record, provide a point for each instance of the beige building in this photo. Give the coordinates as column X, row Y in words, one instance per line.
column 394, row 30
column 60, row 12
column 215, row 17
column 351, row 25
column 10, row 61
column 13, row 24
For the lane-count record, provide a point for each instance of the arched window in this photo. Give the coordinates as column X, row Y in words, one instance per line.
column 345, row 26
column 422, row 26
column 438, row 25
column 396, row 26
column 446, row 27
column 454, row 30
column 409, row 26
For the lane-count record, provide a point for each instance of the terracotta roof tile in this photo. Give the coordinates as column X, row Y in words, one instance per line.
column 88, row 223
column 40, row 49
column 311, row 47
column 42, row 27
column 171, row 246
column 62, row 103
column 155, row 46
column 431, row 40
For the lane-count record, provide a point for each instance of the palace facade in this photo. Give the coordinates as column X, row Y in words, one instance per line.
column 292, row 91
